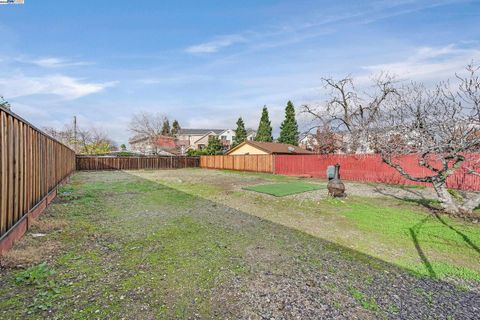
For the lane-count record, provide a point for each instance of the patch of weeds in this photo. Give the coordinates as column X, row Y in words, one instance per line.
column 368, row 303
column 426, row 294
column 40, row 278
column 393, row 309
column 66, row 189
column 412, row 186
column 368, row 279
column 337, row 305
column 34, row 275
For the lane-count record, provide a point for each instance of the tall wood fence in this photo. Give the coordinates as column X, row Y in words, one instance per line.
column 256, row 163
column 370, row 168
column 135, row 163
column 367, row 168
column 32, row 164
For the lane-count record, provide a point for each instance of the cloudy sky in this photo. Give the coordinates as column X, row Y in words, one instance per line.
column 206, row 63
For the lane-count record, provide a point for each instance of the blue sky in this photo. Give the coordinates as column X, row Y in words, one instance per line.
column 206, row 63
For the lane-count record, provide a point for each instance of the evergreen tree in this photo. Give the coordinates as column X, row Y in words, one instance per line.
column 289, row 127
column 264, row 132
column 214, row 146
column 175, row 127
column 240, row 133
column 166, row 128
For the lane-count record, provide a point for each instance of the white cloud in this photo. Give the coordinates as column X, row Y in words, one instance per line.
column 57, row 63
column 428, row 63
column 215, row 45
column 60, row 85
column 51, row 62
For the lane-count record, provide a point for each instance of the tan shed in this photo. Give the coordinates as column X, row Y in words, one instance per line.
column 256, row 147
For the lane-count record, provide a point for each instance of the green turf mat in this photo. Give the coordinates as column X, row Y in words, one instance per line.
column 284, row 189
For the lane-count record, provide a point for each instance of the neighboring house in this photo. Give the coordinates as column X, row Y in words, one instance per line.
column 197, row 139
column 161, row 145
column 251, row 134
column 185, row 139
column 308, row 142
column 226, row 138
column 339, row 143
column 256, row 147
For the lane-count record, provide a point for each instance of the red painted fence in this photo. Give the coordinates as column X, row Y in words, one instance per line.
column 368, row 168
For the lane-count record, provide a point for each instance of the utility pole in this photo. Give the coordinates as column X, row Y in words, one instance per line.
column 75, row 133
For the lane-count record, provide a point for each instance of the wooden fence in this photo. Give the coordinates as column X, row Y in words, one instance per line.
column 256, row 163
column 32, row 164
column 367, row 168
column 135, row 163
column 371, row 168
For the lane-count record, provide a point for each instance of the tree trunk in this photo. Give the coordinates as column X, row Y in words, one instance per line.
column 447, row 202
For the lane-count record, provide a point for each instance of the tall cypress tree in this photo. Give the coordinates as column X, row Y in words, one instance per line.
column 289, row 127
column 240, row 133
column 175, row 127
column 264, row 132
column 166, row 128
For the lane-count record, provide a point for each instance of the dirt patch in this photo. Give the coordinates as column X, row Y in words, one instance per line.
column 47, row 225
column 27, row 253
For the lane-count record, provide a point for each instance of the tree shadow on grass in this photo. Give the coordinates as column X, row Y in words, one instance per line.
column 432, row 206
column 414, row 231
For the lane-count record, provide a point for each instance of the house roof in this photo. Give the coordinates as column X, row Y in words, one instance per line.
column 206, row 134
column 137, row 138
column 199, row 132
column 273, row 147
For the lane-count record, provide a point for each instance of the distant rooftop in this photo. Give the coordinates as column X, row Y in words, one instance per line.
column 273, row 147
column 199, row 131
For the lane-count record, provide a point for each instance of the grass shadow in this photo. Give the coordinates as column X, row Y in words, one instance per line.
column 432, row 206
column 414, row 234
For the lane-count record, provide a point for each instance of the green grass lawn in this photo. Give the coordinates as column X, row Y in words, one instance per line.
column 284, row 189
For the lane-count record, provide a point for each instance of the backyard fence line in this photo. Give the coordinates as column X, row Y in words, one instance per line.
column 364, row 168
column 370, row 168
column 135, row 163
column 32, row 164
column 254, row 163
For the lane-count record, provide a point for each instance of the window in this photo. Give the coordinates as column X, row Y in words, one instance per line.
column 223, row 138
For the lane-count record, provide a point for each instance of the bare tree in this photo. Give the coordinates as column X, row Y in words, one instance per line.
column 95, row 141
column 326, row 141
column 350, row 112
column 147, row 124
column 87, row 141
column 440, row 126
column 65, row 135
